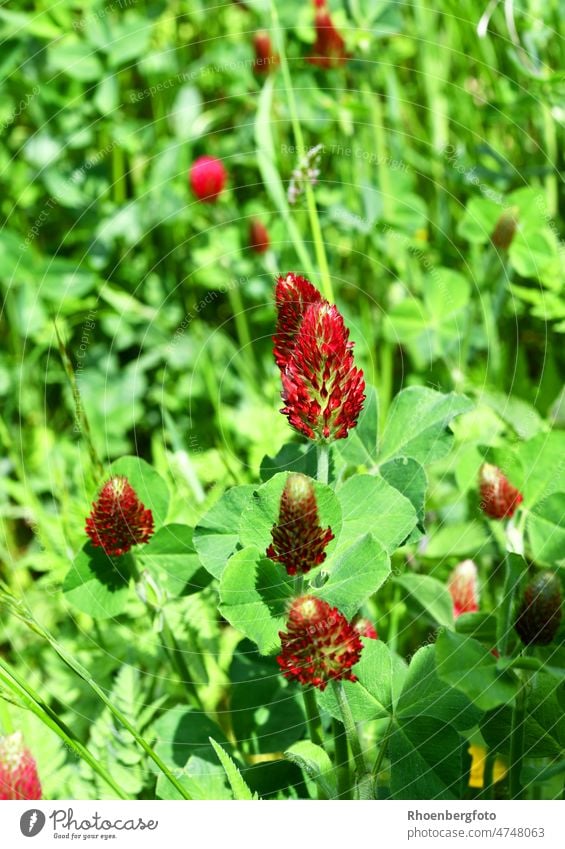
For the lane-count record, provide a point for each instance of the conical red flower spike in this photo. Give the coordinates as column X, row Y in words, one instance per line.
column 118, row 519
column 319, row 645
column 265, row 56
column 18, row 770
column 322, row 388
column 293, row 294
column 499, row 499
column 539, row 614
column 365, row 628
column 299, row 542
column 328, row 50
column 207, row 178
column 463, row 586
column 258, row 237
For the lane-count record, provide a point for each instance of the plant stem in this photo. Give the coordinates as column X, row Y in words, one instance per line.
column 517, row 734
column 97, row 465
column 312, row 715
column 299, row 139
column 323, row 470
column 242, row 329
column 341, row 755
column 362, row 772
column 382, row 752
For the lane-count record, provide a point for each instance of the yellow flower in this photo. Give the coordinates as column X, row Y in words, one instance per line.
column 477, row 772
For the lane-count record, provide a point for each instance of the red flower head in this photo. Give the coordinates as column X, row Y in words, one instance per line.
column 293, row 294
column 463, row 586
column 322, row 388
column 499, row 499
column 18, row 770
column 329, row 47
column 207, row 178
column 365, row 628
column 320, row 645
column 539, row 613
column 298, row 540
column 118, row 519
column 258, row 237
column 265, row 57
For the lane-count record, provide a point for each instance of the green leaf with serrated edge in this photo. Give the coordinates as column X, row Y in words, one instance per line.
column 171, row 557
column 431, row 594
column 215, row 536
column 239, row 788
column 98, row 584
column 425, row 759
column 360, row 447
column 380, row 675
column 316, row 764
column 370, row 504
column 424, row 694
column 418, row 424
column 355, row 575
column 546, row 528
column 407, row 476
column 262, row 512
column 254, row 595
column 466, row 665
column 149, row 486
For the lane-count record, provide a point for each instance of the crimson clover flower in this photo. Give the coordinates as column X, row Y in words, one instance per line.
column 18, row 771
column 463, row 587
column 293, row 294
column 499, row 499
column 298, row 540
column 118, row 519
column 323, row 391
column 207, row 177
column 328, row 50
column 539, row 613
column 319, row 645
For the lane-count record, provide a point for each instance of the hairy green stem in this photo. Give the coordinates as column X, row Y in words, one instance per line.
column 323, row 470
column 341, row 755
column 363, row 775
column 312, row 715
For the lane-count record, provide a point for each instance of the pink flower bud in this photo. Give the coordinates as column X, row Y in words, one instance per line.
column 18, row 770
column 463, row 586
column 207, row 178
